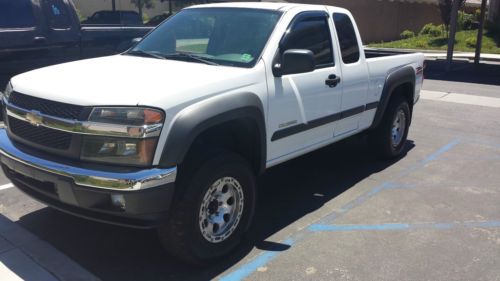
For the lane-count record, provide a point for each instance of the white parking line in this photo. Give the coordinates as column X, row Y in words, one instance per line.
column 461, row 98
column 6, row 186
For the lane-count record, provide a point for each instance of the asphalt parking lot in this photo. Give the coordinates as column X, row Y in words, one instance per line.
column 339, row 213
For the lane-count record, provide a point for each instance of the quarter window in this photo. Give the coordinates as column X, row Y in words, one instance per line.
column 16, row 14
column 311, row 34
column 57, row 14
column 347, row 38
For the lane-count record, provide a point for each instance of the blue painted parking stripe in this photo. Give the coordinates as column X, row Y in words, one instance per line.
column 401, row 226
column 435, row 156
column 248, row 268
column 324, row 227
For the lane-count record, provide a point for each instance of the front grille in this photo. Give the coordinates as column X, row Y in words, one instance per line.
column 40, row 135
column 52, row 108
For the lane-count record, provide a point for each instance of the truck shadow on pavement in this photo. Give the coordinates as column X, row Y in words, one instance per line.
column 286, row 193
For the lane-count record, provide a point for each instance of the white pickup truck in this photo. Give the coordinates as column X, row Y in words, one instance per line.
column 173, row 133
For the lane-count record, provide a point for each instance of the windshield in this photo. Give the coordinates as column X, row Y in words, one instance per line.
column 225, row 36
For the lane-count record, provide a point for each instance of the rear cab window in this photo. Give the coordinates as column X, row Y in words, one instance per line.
column 311, row 31
column 16, row 14
column 57, row 14
column 348, row 40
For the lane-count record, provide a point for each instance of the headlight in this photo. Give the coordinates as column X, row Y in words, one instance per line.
column 136, row 150
column 137, row 116
column 123, row 151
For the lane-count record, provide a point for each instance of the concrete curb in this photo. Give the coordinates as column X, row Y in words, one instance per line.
column 25, row 255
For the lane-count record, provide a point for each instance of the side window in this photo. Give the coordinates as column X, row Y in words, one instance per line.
column 57, row 14
column 347, row 38
column 311, row 34
column 16, row 14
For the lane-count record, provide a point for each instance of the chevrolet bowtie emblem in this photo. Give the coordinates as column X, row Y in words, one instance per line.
column 34, row 118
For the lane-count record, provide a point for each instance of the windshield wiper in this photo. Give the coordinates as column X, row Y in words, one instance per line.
column 145, row 54
column 190, row 56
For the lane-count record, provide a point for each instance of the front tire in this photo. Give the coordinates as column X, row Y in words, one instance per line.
column 214, row 210
column 389, row 138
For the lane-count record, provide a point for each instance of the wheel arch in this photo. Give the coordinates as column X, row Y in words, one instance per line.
column 399, row 82
column 243, row 109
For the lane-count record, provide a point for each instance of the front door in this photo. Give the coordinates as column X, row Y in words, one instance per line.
column 303, row 107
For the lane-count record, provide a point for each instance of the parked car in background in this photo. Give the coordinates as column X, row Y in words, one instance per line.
column 115, row 17
column 36, row 33
column 156, row 20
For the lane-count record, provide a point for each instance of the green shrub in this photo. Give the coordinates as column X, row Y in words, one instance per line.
column 465, row 21
column 431, row 30
column 145, row 18
column 471, row 42
column 80, row 16
column 407, row 34
column 421, row 43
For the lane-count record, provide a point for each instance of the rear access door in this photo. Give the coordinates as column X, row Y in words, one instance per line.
column 355, row 75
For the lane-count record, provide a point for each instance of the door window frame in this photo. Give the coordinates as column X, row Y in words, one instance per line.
column 338, row 39
column 309, row 15
column 46, row 16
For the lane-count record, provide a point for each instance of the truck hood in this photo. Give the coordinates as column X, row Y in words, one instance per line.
column 129, row 81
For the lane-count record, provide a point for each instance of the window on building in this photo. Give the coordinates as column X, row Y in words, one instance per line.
column 16, row 14
column 312, row 33
column 347, row 38
column 57, row 14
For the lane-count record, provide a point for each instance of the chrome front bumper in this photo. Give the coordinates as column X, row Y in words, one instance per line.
column 126, row 181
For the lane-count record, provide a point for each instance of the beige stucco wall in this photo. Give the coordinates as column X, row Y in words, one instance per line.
column 384, row 20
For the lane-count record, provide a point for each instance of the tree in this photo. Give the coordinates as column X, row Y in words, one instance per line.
column 445, row 11
column 140, row 4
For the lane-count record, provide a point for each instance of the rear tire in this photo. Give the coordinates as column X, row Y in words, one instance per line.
column 389, row 138
column 213, row 210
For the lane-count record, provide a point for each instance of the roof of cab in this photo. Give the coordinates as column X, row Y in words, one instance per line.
column 278, row 6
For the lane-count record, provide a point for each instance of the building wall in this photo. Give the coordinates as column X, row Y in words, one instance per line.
column 384, row 20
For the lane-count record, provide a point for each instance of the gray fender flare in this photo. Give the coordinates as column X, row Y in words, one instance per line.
column 208, row 113
column 394, row 79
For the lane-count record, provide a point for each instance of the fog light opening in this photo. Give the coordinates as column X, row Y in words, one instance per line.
column 118, row 200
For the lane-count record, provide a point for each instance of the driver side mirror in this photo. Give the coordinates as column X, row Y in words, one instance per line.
column 295, row 61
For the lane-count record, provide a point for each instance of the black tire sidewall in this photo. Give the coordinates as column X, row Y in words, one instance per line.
column 400, row 105
column 227, row 165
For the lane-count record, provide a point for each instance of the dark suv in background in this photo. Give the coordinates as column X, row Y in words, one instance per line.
column 37, row 33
